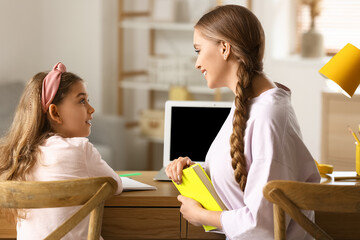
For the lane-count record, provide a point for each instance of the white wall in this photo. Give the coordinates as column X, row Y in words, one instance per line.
column 37, row 34
column 109, row 59
column 20, row 41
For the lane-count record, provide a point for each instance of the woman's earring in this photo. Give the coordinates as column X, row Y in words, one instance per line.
column 225, row 57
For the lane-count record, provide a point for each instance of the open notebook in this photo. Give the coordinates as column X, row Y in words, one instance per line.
column 133, row 185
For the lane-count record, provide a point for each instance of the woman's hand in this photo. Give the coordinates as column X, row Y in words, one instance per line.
column 191, row 210
column 174, row 169
column 194, row 213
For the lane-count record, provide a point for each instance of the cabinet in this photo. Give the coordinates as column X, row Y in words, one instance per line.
column 338, row 146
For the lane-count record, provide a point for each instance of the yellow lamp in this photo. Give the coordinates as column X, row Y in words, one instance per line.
column 343, row 70
column 343, row 73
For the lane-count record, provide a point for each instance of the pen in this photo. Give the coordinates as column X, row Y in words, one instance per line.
column 129, row 174
column 356, row 138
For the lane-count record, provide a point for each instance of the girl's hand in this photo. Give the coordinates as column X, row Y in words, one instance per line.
column 191, row 210
column 174, row 169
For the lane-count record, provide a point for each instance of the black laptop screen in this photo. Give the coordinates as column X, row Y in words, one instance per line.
column 193, row 129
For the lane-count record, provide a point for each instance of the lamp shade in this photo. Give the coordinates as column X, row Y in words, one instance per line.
column 344, row 70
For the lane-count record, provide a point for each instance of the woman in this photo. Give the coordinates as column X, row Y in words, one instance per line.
column 259, row 141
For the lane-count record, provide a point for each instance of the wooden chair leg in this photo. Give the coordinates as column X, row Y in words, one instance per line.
column 95, row 222
column 279, row 223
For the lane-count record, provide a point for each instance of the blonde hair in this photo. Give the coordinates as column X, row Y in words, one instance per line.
column 239, row 27
column 19, row 148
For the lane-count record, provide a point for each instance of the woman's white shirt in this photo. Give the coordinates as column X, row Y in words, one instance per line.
column 274, row 150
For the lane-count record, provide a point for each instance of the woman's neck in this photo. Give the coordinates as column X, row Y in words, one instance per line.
column 261, row 84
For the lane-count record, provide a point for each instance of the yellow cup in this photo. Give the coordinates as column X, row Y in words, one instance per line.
column 357, row 158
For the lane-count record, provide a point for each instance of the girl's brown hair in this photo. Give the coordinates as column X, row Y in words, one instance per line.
column 240, row 28
column 19, row 148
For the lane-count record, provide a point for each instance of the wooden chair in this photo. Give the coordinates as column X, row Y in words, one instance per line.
column 291, row 197
column 89, row 192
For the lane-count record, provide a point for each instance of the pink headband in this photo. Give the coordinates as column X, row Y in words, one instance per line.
column 51, row 85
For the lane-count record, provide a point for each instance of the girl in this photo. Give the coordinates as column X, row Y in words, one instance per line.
column 47, row 141
column 259, row 141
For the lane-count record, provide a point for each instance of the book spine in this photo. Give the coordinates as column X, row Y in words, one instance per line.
column 201, row 172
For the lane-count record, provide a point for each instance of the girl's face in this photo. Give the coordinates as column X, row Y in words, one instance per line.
column 75, row 113
column 211, row 61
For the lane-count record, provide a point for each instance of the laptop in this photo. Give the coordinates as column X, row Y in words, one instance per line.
column 190, row 128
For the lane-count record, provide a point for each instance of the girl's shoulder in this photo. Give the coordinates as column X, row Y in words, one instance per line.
column 59, row 141
column 60, row 146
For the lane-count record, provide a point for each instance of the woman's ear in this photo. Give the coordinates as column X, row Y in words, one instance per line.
column 226, row 49
column 54, row 114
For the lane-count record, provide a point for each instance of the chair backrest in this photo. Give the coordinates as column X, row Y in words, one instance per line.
column 89, row 192
column 292, row 197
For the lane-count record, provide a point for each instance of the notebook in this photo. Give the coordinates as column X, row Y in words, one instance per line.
column 197, row 185
column 190, row 128
column 133, row 185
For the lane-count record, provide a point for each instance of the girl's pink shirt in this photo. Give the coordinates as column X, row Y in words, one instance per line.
column 61, row 159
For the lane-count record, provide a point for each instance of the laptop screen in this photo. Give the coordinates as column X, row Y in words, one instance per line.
column 192, row 127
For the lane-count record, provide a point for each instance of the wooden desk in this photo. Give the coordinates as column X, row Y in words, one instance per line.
column 334, row 223
column 141, row 215
column 156, row 215
column 149, row 214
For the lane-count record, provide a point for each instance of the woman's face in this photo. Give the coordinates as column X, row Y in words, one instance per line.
column 211, row 61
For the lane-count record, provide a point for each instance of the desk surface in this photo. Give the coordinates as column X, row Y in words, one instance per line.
column 164, row 196
column 166, row 193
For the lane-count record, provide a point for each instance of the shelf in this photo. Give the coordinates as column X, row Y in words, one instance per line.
column 157, row 25
column 165, row 87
